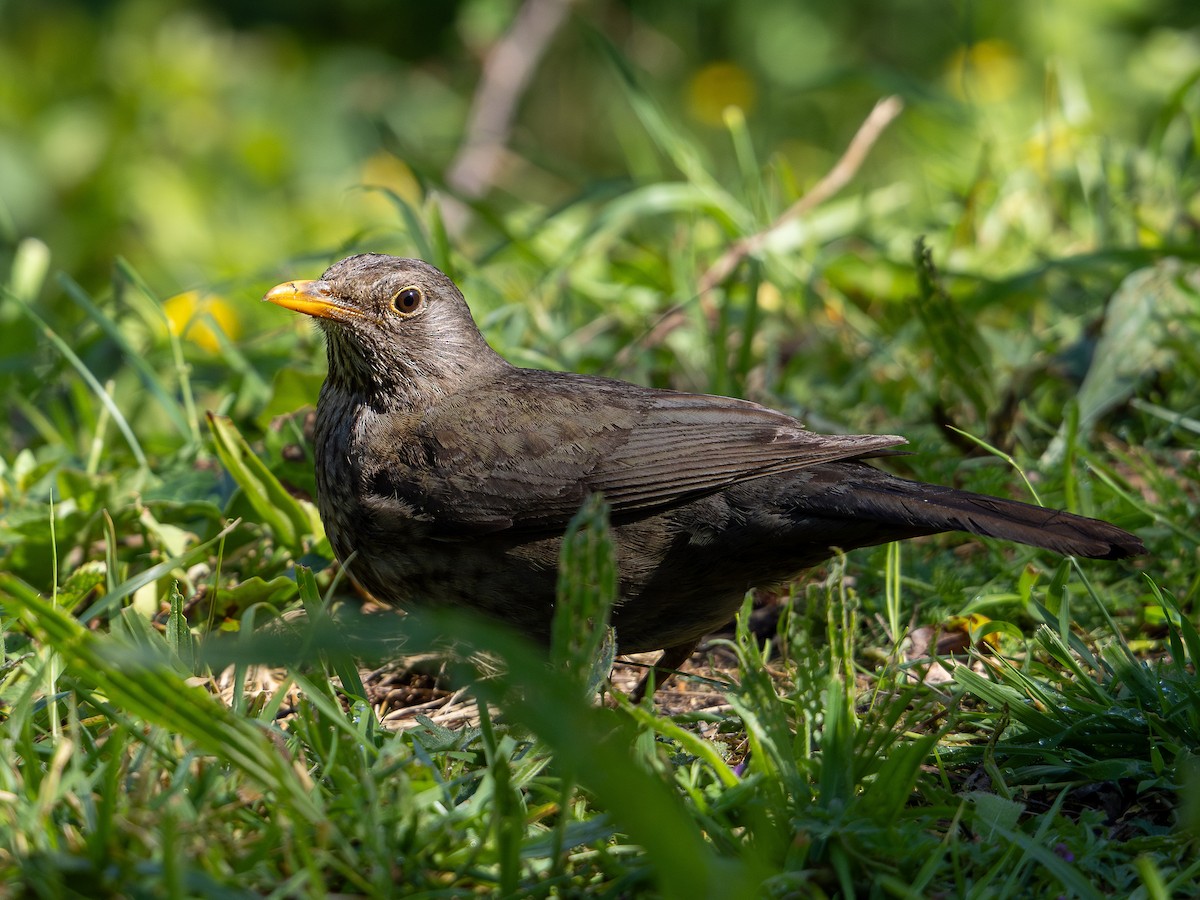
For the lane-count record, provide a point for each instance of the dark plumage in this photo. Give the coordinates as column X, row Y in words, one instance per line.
column 451, row 474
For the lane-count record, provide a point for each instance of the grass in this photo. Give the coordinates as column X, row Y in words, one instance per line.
column 184, row 678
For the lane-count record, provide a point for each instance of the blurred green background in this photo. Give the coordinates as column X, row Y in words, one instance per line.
column 208, row 142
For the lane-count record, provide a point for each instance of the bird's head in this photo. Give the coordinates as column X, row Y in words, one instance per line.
column 395, row 328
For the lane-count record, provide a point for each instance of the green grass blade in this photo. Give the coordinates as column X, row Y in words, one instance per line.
column 290, row 520
column 148, row 376
column 1067, row 875
column 160, row 695
column 586, row 592
column 159, row 570
column 84, row 373
column 343, row 663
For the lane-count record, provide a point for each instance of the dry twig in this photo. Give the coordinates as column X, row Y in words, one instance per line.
column 835, row 179
column 885, row 111
column 506, row 74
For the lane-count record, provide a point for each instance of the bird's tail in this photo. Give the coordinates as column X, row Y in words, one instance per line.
column 927, row 509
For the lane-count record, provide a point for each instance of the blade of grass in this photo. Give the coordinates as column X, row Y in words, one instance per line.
column 133, row 357
column 1067, row 875
column 342, row 663
column 152, row 309
column 1007, row 457
column 112, row 598
column 160, row 695
column 84, row 373
column 599, row 748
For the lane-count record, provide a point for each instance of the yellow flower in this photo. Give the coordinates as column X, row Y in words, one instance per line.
column 196, row 316
column 717, row 86
column 988, row 71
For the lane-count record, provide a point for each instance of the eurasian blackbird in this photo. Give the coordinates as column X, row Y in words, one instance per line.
column 446, row 475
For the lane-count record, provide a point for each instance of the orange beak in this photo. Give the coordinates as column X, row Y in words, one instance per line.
column 313, row 298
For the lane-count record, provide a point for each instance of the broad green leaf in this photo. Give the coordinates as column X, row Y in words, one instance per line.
column 1153, row 312
column 293, row 521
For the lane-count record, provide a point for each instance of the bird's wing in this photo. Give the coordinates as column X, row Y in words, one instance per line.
column 692, row 444
column 524, row 453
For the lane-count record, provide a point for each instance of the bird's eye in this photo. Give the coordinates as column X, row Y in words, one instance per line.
column 407, row 301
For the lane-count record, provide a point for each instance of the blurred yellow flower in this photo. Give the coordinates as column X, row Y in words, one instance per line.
column 196, row 316
column 986, row 72
column 1052, row 147
column 717, row 86
column 972, row 624
column 769, row 297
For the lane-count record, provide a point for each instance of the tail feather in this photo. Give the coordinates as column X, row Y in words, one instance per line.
column 933, row 508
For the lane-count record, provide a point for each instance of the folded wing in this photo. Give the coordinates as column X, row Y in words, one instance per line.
column 523, row 452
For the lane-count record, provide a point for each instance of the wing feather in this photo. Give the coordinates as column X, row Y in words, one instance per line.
column 524, row 451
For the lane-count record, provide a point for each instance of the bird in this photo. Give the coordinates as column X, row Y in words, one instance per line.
column 446, row 475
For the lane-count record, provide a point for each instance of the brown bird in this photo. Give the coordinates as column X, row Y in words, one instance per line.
column 450, row 474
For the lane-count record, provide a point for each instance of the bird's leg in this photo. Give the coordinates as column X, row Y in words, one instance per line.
column 672, row 658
